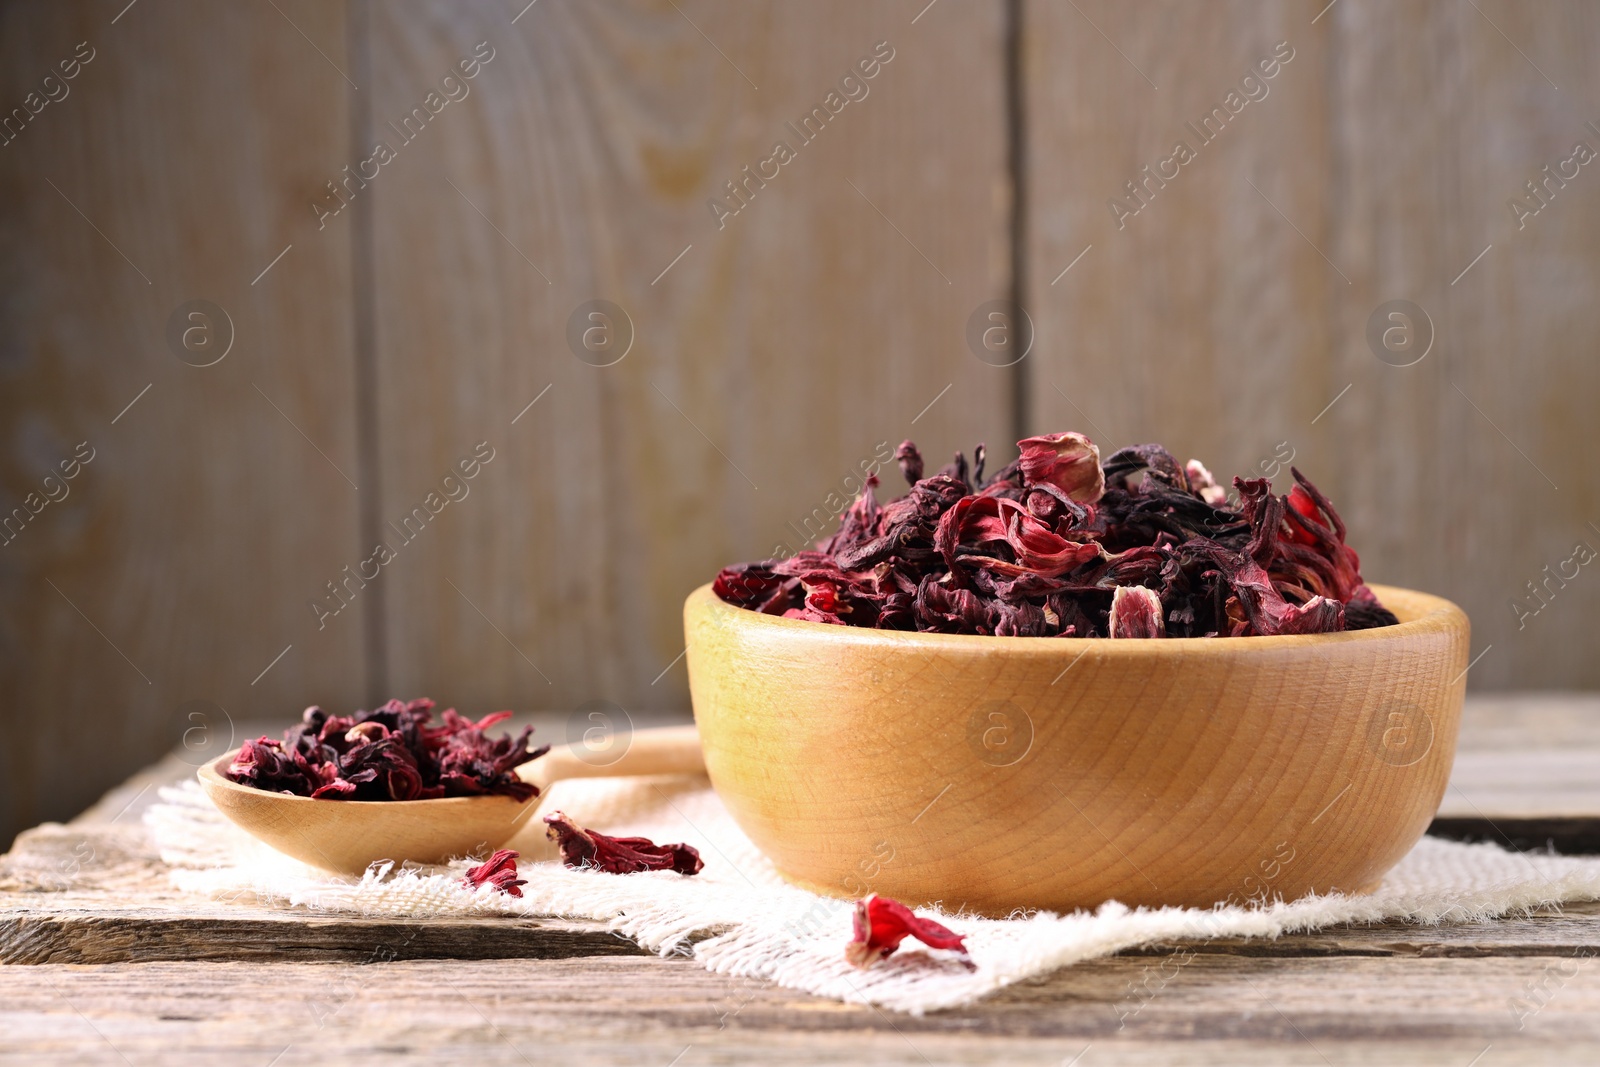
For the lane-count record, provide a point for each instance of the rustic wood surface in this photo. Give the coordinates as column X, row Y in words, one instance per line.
column 1215, row 1010
column 777, row 355
column 1228, row 315
column 176, row 569
column 103, row 963
column 803, row 338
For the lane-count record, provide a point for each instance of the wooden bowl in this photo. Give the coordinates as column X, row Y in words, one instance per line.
column 348, row 835
column 996, row 773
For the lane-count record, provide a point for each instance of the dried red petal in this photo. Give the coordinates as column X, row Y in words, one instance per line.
column 747, row 584
column 500, row 871
column 1136, row 612
column 617, row 855
column 389, row 753
column 1069, row 461
column 1029, row 554
column 1313, row 521
column 881, row 924
column 1267, row 612
column 1301, row 504
column 1202, row 482
column 970, row 535
column 338, row 789
column 910, row 461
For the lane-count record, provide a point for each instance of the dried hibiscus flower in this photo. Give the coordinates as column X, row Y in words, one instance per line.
column 1135, row 612
column 1069, row 461
column 390, row 753
column 500, row 871
column 881, row 924
column 1063, row 544
column 617, row 855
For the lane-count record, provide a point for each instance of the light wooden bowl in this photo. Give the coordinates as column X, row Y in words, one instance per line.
column 996, row 773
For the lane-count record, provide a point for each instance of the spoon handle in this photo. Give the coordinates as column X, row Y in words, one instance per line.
column 664, row 750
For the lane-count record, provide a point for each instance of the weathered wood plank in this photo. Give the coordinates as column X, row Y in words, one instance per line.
column 1527, row 768
column 93, row 891
column 1195, row 317
column 1388, row 993
column 580, row 168
column 1526, row 783
column 1558, row 721
column 141, row 936
column 125, row 933
column 179, row 164
column 1206, row 1010
column 1438, row 115
column 98, row 893
column 1224, row 320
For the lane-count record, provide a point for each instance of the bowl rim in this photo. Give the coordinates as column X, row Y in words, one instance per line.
column 210, row 774
column 1426, row 613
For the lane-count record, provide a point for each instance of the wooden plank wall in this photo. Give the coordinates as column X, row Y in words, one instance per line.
column 1228, row 313
column 418, row 310
column 418, row 313
column 176, row 166
column 769, row 361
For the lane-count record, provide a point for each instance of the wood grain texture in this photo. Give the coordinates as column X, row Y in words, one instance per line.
column 183, row 160
column 1174, row 326
column 95, row 891
column 1216, row 1010
column 999, row 773
column 1224, row 319
column 1525, row 773
column 347, row 837
column 176, row 981
column 1464, row 120
column 768, row 363
column 98, row 894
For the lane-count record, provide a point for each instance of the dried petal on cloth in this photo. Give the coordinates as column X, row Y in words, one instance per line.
column 499, row 871
column 581, row 847
column 880, row 924
column 767, row 929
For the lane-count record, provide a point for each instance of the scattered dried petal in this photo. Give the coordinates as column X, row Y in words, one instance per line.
column 500, row 871
column 881, row 924
column 617, row 855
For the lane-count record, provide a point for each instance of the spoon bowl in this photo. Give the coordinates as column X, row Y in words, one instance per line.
column 347, row 836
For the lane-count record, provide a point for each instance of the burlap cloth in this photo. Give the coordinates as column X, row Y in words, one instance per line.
column 760, row 927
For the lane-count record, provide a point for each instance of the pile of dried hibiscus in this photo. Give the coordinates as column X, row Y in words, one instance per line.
column 390, row 753
column 1060, row 545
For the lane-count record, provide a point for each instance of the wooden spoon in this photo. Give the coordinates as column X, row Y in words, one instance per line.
column 347, row 836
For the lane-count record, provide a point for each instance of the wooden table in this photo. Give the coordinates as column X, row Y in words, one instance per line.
column 100, row 962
